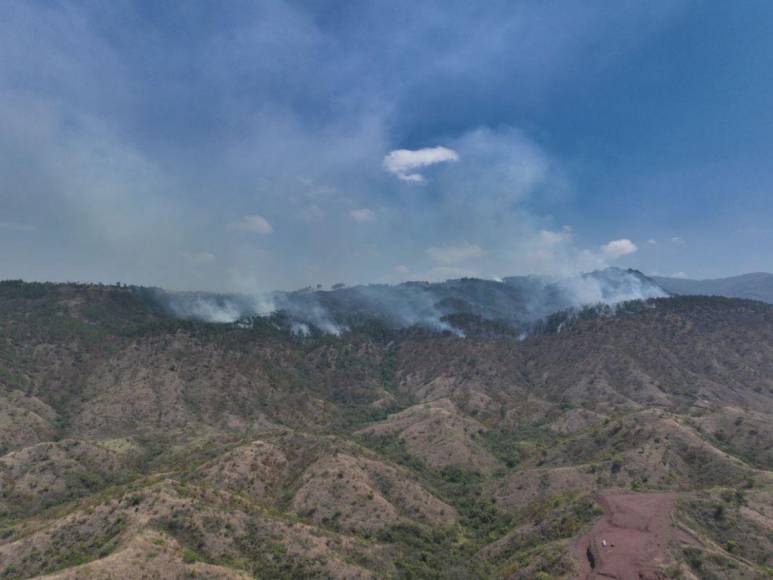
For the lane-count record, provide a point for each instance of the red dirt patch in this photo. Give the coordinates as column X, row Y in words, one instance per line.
column 629, row 541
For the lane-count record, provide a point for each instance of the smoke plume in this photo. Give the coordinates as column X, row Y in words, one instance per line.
column 517, row 301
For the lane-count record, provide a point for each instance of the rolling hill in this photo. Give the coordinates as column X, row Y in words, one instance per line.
column 138, row 444
column 755, row 286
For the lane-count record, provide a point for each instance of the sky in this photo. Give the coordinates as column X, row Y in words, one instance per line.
column 252, row 146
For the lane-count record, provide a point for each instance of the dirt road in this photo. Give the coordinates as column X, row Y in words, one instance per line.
column 629, row 542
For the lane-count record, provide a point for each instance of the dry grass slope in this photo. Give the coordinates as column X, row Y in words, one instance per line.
column 136, row 445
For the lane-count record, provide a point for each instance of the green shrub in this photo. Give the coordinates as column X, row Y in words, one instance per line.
column 190, row 556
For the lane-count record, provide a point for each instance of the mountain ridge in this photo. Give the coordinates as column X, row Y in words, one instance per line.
column 754, row 285
column 517, row 301
column 143, row 443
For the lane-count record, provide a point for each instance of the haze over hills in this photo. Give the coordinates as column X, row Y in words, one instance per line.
column 755, row 286
column 517, row 302
column 321, row 364
column 140, row 443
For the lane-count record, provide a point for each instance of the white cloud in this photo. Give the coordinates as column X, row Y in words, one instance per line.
column 453, row 254
column 682, row 275
column 252, row 223
column 618, row 248
column 401, row 269
column 551, row 238
column 404, row 162
column 362, row 215
column 677, row 240
column 652, row 241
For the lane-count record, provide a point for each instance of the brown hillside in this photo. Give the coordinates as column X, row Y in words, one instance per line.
column 136, row 445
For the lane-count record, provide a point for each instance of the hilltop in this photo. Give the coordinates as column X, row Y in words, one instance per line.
column 137, row 443
column 516, row 302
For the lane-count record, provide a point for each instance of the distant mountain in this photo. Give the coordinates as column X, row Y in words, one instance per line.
column 755, row 286
column 516, row 302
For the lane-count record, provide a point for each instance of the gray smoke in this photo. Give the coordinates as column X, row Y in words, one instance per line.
column 609, row 287
column 209, row 307
column 440, row 307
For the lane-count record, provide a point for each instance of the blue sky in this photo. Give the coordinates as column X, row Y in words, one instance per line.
column 258, row 145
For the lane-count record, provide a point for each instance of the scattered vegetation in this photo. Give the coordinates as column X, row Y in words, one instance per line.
column 118, row 421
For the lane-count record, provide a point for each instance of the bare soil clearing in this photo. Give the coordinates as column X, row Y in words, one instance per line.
column 629, row 542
